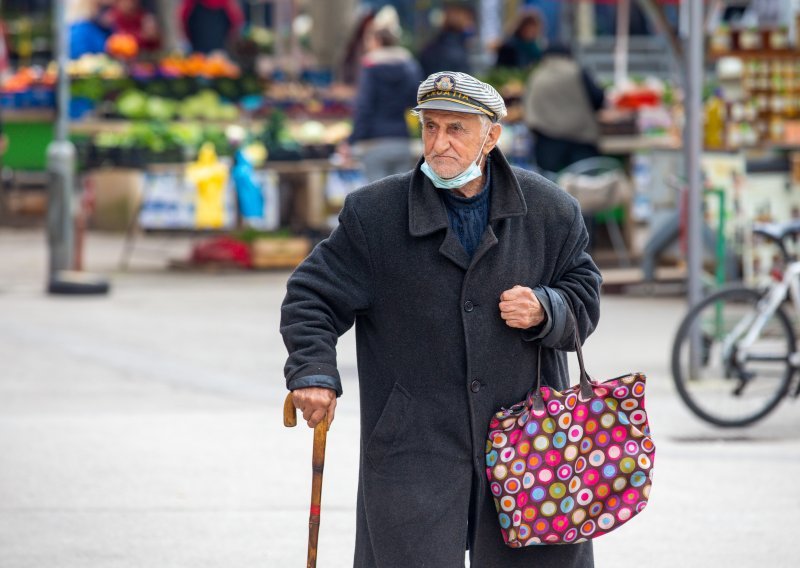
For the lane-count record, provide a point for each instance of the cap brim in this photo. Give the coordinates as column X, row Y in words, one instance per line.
column 451, row 106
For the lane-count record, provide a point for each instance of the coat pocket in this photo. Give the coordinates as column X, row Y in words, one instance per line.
column 391, row 423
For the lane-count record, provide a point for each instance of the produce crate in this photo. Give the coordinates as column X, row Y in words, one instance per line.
column 27, row 143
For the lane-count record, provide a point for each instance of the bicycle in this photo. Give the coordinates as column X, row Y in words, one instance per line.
column 735, row 353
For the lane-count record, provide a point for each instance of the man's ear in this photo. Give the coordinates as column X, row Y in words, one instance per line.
column 494, row 135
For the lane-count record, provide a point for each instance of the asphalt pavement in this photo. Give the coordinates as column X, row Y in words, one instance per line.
column 144, row 429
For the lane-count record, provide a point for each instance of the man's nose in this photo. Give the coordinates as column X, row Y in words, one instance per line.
column 441, row 143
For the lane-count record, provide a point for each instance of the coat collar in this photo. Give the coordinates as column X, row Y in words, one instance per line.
column 427, row 214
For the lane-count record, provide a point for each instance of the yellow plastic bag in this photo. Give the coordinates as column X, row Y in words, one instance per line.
column 210, row 176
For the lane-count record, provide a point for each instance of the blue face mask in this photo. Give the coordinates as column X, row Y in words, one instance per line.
column 472, row 172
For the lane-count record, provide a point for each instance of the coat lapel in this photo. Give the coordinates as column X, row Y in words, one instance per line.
column 454, row 250
column 488, row 240
column 427, row 214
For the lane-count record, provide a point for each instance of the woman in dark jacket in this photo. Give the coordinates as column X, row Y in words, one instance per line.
column 522, row 49
column 209, row 23
column 387, row 89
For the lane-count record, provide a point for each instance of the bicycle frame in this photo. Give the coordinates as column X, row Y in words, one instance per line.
column 776, row 294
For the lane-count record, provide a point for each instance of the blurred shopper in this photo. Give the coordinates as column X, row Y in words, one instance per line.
column 561, row 104
column 523, row 48
column 129, row 17
column 208, row 24
column 351, row 62
column 459, row 277
column 450, row 48
column 387, row 89
column 91, row 23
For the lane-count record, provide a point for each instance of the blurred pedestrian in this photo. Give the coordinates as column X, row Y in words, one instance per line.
column 350, row 68
column 209, row 24
column 450, row 48
column 523, row 48
column 457, row 275
column 129, row 17
column 387, row 90
column 561, row 102
column 90, row 24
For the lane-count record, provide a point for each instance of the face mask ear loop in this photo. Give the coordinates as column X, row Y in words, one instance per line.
column 480, row 152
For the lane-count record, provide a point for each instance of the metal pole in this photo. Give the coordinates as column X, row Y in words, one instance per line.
column 621, row 51
column 60, row 160
column 693, row 144
column 61, row 169
column 62, row 58
column 694, row 121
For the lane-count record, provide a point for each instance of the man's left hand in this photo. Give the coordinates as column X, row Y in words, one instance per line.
column 520, row 308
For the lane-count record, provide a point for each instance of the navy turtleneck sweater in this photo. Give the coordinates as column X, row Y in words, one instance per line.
column 469, row 215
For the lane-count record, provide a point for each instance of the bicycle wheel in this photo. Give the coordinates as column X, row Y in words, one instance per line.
column 719, row 380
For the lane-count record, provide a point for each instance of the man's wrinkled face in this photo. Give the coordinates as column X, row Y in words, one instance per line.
column 452, row 140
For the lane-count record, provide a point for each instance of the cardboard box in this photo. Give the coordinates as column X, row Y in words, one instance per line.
column 279, row 252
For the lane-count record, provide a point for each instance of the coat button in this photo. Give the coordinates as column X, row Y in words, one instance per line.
column 468, row 306
column 475, row 386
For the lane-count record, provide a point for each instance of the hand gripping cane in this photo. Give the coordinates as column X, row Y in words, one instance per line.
column 317, row 466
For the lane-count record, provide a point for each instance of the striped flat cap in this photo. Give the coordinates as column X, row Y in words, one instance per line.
column 459, row 92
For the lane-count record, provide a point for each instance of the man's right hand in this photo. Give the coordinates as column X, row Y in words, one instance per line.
column 314, row 403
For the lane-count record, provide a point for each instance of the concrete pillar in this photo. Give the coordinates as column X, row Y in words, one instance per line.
column 333, row 22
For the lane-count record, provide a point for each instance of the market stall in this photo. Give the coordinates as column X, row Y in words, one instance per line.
column 139, row 122
column 132, row 108
column 752, row 134
column 143, row 117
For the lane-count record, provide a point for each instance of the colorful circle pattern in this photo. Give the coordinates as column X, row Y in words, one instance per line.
column 574, row 471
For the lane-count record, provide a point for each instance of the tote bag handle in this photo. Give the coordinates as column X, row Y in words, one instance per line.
column 586, row 385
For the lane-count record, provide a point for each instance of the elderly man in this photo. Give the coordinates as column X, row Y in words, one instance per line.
column 455, row 274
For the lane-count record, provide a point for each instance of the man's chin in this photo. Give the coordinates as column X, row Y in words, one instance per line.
column 444, row 173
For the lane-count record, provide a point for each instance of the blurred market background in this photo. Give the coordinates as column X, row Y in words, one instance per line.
column 192, row 153
column 272, row 91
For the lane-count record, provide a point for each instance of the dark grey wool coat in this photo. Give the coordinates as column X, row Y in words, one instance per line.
column 435, row 360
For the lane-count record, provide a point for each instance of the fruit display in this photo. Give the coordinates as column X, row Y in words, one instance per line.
column 206, row 105
column 142, row 143
column 176, row 102
column 199, row 65
column 95, row 65
column 306, row 100
column 315, row 132
column 122, row 46
column 28, row 88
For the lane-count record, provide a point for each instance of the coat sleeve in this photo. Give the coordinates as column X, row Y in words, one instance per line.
column 323, row 297
column 575, row 288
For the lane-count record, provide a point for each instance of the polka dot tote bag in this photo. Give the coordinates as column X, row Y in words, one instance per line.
column 566, row 467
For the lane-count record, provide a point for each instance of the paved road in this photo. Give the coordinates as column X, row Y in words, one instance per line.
column 143, row 430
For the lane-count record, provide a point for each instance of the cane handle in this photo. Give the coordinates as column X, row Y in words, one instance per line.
column 289, row 412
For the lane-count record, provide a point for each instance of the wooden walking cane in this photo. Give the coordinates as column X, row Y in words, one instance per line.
column 317, row 466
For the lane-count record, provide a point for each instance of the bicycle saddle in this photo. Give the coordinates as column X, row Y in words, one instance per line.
column 777, row 231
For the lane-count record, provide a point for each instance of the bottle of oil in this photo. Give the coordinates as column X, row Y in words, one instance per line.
column 714, row 128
